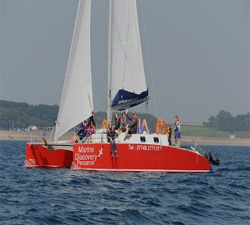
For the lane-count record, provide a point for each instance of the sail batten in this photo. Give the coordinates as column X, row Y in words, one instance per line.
column 128, row 76
column 77, row 97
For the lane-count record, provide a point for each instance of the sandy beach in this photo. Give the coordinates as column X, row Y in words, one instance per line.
column 28, row 135
column 216, row 141
column 189, row 140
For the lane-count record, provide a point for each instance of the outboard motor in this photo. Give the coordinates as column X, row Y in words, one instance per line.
column 209, row 157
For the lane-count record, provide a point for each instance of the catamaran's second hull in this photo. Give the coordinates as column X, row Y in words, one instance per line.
column 138, row 157
column 38, row 155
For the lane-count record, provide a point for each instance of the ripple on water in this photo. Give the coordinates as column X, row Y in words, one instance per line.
column 64, row 196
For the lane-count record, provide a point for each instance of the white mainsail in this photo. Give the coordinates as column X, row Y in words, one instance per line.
column 77, row 98
column 127, row 70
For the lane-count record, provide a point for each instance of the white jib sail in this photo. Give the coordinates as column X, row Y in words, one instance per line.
column 77, row 98
column 127, row 61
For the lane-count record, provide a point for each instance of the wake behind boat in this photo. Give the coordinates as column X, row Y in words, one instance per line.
column 126, row 88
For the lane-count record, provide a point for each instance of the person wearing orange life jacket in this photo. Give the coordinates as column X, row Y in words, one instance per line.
column 169, row 134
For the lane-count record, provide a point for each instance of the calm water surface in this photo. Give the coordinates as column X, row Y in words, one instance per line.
column 64, row 196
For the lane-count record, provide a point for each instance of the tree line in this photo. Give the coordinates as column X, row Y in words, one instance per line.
column 224, row 121
column 15, row 115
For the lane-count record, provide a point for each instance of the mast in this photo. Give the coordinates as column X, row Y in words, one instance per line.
column 109, row 63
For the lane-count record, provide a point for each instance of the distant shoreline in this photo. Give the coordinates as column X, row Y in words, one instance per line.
column 215, row 141
column 188, row 140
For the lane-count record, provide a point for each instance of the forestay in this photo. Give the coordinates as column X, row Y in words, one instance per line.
column 77, row 98
column 128, row 77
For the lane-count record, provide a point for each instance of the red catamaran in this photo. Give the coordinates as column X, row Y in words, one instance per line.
column 126, row 88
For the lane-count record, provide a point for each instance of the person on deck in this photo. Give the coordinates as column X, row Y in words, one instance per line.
column 169, row 134
column 143, row 127
column 117, row 121
column 177, row 133
column 104, row 123
column 92, row 119
column 83, row 131
column 91, row 130
column 123, row 123
column 111, row 135
column 131, row 128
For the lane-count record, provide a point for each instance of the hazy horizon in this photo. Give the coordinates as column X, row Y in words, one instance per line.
column 199, row 53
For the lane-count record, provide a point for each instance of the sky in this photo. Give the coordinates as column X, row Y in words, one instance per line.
column 196, row 54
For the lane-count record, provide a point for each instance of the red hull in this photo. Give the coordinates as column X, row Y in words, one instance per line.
column 38, row 155
column 138, row 157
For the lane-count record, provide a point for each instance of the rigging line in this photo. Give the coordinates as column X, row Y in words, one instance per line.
column 103, row 91
column 119, row 36
column 126, row 61
column 127, row 43
column 139, row 48
column 90, row 102
column 104, row 65
column 110, row 60
column 150, row 69
column 136, row 40
column 114, row 54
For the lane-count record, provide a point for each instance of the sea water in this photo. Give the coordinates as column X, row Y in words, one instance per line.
column 65, row 196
